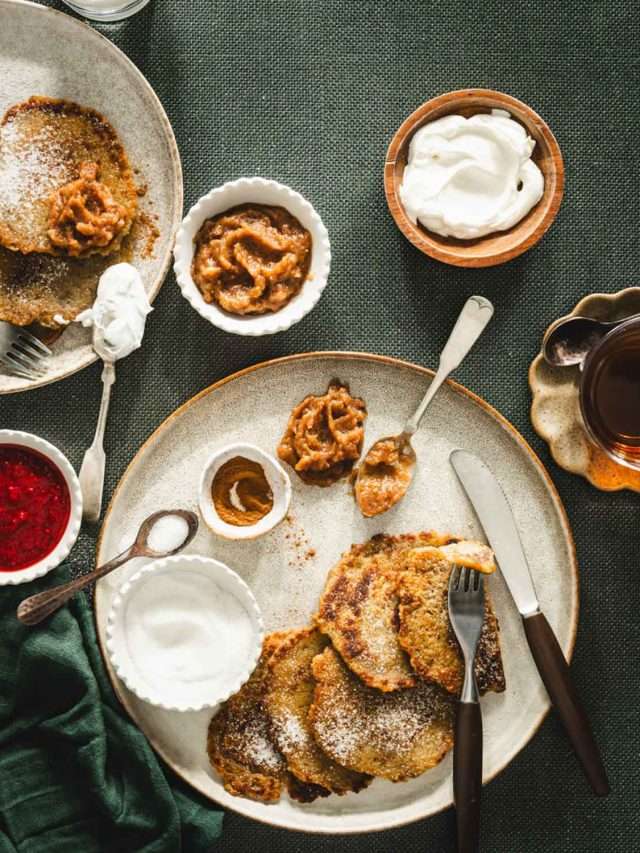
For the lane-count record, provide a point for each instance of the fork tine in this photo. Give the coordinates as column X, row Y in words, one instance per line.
column 466, row 581
column 17, row 371
column 23, row 357
column 34, row 361
column 25, row 347
column 43, row 349
column 454, row 579
column 23, row 361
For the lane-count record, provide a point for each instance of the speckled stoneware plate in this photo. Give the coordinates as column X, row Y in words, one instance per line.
column 287, row 568
column 555, row 410
column 45, row 52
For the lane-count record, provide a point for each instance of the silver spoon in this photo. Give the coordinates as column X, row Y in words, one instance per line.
column 569, row 340
column 37, row 607
column 91, row 474
column 475, row 315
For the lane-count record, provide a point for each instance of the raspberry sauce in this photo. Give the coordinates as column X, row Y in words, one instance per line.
column 34, row 507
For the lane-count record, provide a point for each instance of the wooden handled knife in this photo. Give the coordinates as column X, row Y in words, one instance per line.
column 493, row 510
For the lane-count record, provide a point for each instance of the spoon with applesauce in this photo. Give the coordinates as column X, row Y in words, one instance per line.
column 162, row 534
column 386, row 472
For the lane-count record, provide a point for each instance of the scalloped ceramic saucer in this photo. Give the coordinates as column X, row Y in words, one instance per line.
column 555, row 410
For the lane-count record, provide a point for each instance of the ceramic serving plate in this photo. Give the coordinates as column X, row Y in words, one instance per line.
column 286, row 569
column 45, row 52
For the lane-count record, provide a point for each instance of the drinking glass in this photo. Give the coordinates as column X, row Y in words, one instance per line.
column 106, row 11
column 610, row 393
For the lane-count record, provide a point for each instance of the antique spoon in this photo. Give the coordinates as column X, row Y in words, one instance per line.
column 568, row 341
column 91, row 474
column 475, row 315
column 37, row 607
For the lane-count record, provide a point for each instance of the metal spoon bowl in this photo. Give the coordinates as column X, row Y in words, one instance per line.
column 380, row 485
column 569, row 340
column 141, row 543
column 37, row 607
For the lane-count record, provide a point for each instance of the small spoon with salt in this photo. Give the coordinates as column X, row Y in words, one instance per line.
column 162, row 534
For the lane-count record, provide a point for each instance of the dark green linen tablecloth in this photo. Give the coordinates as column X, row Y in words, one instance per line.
column 310, row 93
column 76, row 776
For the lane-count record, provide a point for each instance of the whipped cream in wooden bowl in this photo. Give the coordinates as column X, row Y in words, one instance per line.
column 468, row 177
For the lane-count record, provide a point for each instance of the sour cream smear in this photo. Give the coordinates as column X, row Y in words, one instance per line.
column 119, row 314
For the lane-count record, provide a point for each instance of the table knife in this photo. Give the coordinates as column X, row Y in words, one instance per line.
column 490, row 504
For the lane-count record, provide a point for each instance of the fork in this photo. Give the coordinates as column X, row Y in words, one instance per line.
column 20, row 352
column 466, row 612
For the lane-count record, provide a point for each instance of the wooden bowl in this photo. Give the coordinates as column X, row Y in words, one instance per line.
column 500, row 246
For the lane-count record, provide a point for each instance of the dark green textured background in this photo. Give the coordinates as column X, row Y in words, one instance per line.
column 310, row 93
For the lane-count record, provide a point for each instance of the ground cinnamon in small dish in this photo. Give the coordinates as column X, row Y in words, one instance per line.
column 324, row 435
column 241, row 493
column 84, row 216
column 251, row 259
column 383, row 478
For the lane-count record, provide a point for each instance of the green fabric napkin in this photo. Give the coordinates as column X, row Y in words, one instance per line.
column 76, row 776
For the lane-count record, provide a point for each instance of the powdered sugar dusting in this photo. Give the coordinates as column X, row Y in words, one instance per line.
column 381, row 638
column 291, row 733
column 353, row 717
column 31, row 166
column 258, row 747
column 340, row 736
column 36, row 272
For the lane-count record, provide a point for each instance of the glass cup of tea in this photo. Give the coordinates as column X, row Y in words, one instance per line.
column 106, row 11
column 610, row 393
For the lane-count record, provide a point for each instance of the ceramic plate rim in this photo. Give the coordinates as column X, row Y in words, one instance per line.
column 178, row 187
column 339, row 355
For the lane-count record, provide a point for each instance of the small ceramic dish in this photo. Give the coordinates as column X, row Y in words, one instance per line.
column 169, row 661
column 257, row 191
column 277, row 478
column 501, row 246
column 555, row 408
column 70, row 534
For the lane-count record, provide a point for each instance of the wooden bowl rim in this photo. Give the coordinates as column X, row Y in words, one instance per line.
column 428, row 244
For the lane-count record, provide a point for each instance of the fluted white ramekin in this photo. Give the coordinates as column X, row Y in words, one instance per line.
column 68, row 539
column 277, row 478
column 253, row 191
column 208, row 576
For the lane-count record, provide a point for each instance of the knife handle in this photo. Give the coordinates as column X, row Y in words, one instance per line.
column 554, row 672
column 467, row 775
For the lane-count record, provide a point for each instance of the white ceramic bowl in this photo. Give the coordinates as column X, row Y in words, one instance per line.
column 276, row 476
column 204, row 580
column 67, row 541
column 258, row 191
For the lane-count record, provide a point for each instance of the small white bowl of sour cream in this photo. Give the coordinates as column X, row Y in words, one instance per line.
column 276, row 477
column 184, row 633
